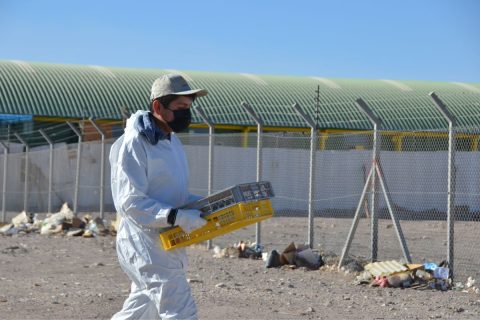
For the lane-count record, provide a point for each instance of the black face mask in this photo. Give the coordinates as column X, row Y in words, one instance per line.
column 181, row 121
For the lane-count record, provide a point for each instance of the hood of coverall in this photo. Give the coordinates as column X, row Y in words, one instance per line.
column 143, row 122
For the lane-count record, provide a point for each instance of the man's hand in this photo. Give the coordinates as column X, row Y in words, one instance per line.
column 189, row 219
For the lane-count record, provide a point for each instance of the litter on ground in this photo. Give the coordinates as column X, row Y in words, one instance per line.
column 64, row 222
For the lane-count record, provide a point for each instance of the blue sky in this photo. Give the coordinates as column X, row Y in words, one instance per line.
column 436, row 40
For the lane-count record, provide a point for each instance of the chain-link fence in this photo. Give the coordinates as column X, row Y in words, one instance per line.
column 415, row 178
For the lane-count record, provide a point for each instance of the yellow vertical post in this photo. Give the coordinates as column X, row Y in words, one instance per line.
column 475, row 143
column 245, row 131
column 323, row 139
column 398, row 142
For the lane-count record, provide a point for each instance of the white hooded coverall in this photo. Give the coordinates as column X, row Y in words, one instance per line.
column 147, row 181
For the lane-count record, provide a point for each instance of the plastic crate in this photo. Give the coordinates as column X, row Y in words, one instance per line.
column 244, row 192
column 221, row 222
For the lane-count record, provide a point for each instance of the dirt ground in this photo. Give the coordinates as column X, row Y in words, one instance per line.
column 59, row 277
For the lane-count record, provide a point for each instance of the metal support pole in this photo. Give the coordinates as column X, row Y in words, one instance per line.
column 356, row 219
column 4, row 184
column 260, row 123
column 396, row 222
column 311, row 184
column 452, row 121
column 211, row 141
column 77, row 172
column 25, row 190
column 376, row 122
column 102, row 166
column 50, row 170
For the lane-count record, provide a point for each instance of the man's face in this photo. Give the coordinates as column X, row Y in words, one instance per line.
column 162, row 113
column 181, row 103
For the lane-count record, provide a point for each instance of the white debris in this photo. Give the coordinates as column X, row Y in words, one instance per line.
column 5, row 228
column 20, row 219
column 470, row 282
column 66, row 212
column 217, row 252
column 52, row 224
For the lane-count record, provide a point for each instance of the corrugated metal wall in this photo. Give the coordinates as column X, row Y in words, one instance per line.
column 72, row 91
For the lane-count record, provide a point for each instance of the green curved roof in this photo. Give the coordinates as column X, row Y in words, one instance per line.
column 74, row 91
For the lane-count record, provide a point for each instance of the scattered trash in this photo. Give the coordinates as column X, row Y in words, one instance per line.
column 88, row 234
column 292, row 257
column 384, row 274
column 470, row 282
column 352, row 266
column 288, row 255
column 380, row 281
column 424, row 275
column 417, row 276
column 468, row 287
column 75, row 233
column 229, row 252
column 400, row 280
column 430, row 266
column 363, row 278
column 309, row 259
column 77, row 223
column 20, row 219
column 295, row 256
column 239, row 250
column 385, row 268
column 253, row 251
column 115, row 224
column 37, row 223
column 441, row 273
column 5, row 228
column 64, row 222
column 9, row 230
column 273, row 260
column 413, row 266
column 330, row 258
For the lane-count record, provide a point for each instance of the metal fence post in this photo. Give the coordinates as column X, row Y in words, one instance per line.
column 376, row 122
column 77, row 173
column 362, row 106
column 50, row 170
column 259, row 122
column 452, row 121
column 25, row 190
column 375, row 170
column 102, row 166
column 4, row 184
column 211, row 139
column 313, row 144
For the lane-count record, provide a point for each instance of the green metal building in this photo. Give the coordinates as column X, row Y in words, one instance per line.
column 35, row 95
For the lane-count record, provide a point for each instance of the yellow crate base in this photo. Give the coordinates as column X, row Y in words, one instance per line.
column 219, row 223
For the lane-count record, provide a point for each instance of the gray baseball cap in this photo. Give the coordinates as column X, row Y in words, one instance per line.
column 173, row 84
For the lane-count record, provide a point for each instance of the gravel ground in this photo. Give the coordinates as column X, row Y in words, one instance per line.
column 59, row 277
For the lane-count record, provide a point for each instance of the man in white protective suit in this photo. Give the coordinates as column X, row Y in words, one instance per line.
column 149, row 185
